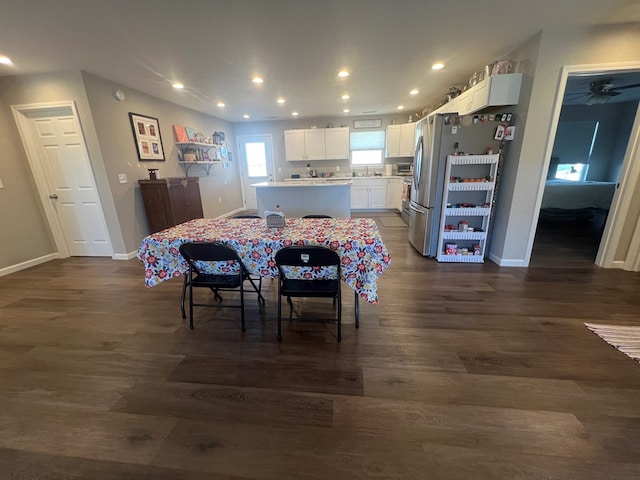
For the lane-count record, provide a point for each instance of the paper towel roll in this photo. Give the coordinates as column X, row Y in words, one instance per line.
column 388, row 169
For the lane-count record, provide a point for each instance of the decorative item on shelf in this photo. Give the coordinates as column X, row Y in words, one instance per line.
column 181, row 133
column 217, row 139
column 153, row 173
column 191, row 134
column 190, row 154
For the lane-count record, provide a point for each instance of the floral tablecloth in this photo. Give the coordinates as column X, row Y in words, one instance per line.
column 357, row 240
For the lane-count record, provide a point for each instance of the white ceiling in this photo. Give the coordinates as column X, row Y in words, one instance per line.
column 214, row 47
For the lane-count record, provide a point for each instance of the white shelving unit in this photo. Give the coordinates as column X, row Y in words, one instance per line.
column 468, row 196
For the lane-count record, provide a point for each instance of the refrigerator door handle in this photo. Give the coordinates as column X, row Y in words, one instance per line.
column 418, row 210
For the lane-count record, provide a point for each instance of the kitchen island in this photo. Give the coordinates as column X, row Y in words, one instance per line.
column 297, row 199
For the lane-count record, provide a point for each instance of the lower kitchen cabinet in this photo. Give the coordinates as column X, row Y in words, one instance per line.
column 394, row 193
column 170, row 201
column 368, row 193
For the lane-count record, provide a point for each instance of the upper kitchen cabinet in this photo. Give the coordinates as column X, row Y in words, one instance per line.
column 317, row 144
column 336, row 142
column 493, row 91
column 400, row 141
column 305, row 144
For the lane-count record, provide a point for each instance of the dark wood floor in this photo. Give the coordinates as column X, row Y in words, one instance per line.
column 462, row 371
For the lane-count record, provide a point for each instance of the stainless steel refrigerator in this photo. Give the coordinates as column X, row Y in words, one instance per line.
column 437, row 136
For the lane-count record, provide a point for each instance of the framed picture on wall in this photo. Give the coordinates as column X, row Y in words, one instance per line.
column 146, row 135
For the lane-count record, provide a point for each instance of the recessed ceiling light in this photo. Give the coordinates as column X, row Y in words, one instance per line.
column 220, row 104
column 346, row 110
column 246, row 116
column 178, row 86
column 345, row 96
column 257, row 80
column 281, row 100
column 400, row 107
column 295, row 114
column 437, row 66
column 414, row 92
column 343, row 73
column 5, row 60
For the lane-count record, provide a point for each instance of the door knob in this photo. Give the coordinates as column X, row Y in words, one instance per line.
column 53, row 196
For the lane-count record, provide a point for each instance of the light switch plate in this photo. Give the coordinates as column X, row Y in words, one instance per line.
column 122, row 177
column 454, row 130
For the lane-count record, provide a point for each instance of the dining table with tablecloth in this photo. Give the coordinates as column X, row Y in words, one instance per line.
column 357, row 241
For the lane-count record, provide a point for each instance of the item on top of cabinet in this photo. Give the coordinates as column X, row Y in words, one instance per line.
column 501, row 67
column 153, row 173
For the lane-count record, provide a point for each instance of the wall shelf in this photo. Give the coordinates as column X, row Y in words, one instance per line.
column 207, row 166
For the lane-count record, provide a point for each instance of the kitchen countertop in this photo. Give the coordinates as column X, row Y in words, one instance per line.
column 297, row 182
column 341, row 179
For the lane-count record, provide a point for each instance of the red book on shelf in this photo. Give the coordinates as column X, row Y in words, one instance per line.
column 181, row 134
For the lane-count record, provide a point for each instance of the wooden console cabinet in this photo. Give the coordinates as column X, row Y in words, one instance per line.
column 170, row 201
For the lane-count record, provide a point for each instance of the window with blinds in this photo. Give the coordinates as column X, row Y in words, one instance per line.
column 366, row 147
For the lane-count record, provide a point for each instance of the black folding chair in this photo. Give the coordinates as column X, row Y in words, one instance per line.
column 312, row 259
column 229, row 275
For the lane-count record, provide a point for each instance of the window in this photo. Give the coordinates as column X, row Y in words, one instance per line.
column 576, row 172
column 256, row 159
column 366, row 147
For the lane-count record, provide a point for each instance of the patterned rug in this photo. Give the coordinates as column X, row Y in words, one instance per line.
column 624, row 338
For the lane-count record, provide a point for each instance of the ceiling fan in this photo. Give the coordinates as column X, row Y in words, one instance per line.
column 600, row 91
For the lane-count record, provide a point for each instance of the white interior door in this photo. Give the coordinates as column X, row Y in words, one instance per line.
column 256, row 159
column 58, row 155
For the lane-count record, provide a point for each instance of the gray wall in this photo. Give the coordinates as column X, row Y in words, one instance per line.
column 284, row 169
column 556, row 48
column 107, row 130
column 26, row 235
column 106, row 127
column 113, row 128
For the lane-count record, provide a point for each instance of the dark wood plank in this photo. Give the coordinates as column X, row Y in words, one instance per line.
column 461, row 371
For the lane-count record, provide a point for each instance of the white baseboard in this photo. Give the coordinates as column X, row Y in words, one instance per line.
column 28, row 264
column 231, row 213
column 505, row 262
column 124, row 256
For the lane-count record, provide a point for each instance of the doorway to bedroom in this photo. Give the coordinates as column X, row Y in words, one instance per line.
column 591, row 140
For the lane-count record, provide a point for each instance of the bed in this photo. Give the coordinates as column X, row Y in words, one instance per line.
column 571, row 197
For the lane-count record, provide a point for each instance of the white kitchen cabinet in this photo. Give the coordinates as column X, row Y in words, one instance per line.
column 307, row 144
column 466, row 208
column 494, row 91
column 316, row 144
column 369, row 193
column 394, row 193
column 336, row 143
column 400, row 140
